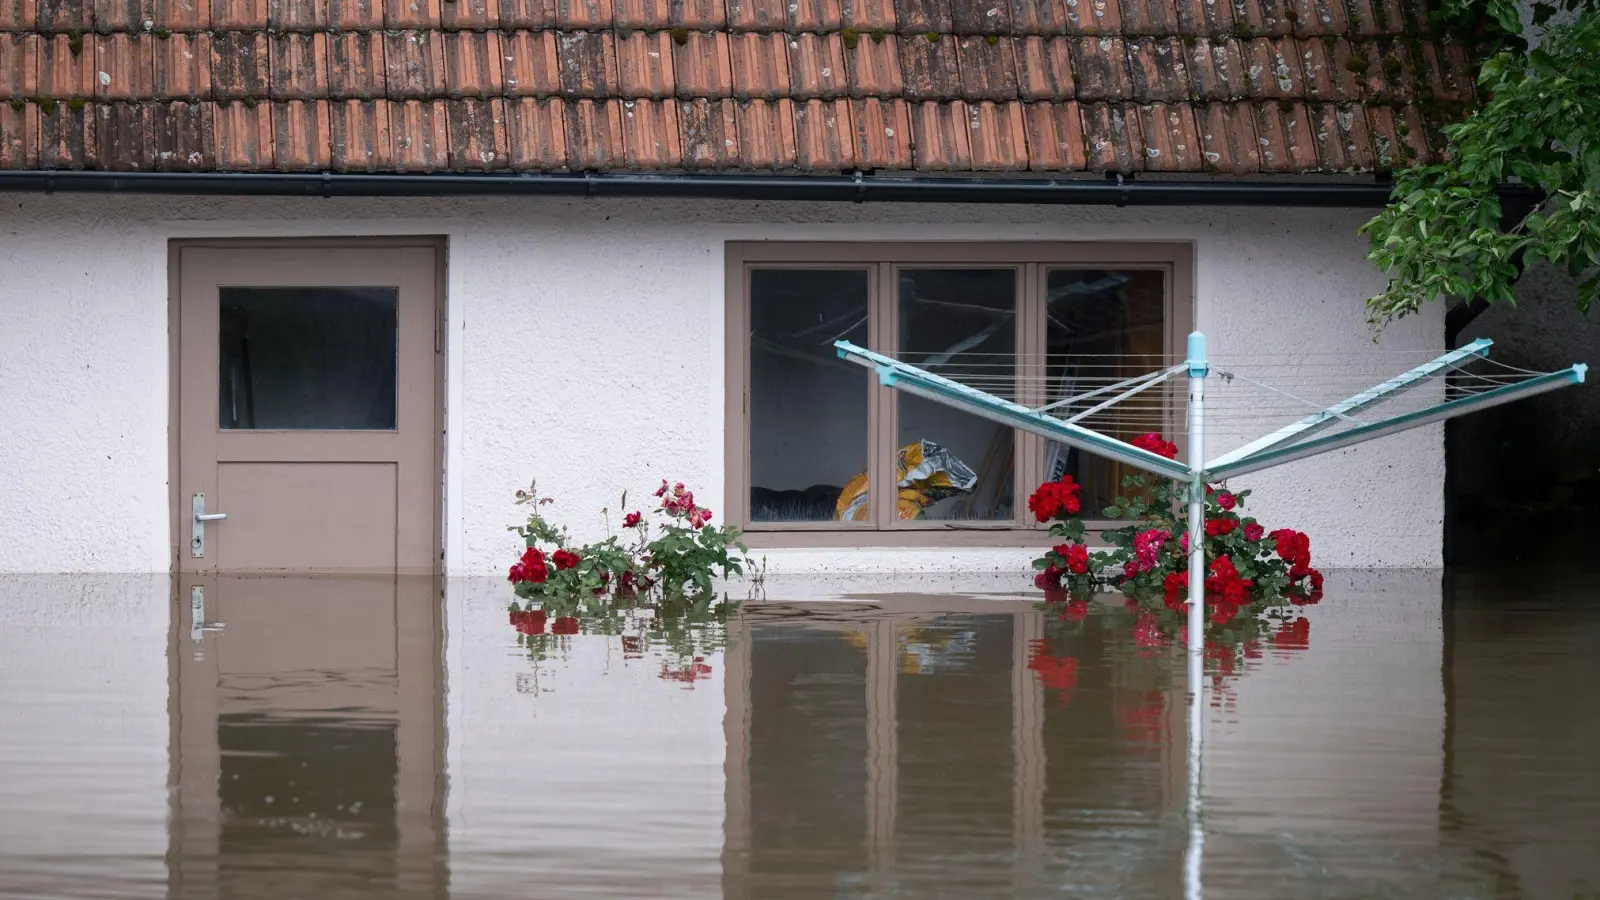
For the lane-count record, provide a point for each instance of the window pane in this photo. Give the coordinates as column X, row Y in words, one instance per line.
column 308, row 358
column 808, row 408
column 1103, row 326
column 962, row 324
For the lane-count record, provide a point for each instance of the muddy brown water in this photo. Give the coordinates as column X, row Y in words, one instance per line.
column 1414, row 736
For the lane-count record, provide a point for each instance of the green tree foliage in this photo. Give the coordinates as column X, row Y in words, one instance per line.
column 1442, row 234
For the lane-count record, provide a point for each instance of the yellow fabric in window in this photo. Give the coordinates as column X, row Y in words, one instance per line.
column 925, row 473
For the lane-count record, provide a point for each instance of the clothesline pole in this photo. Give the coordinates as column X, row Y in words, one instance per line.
column 1198, row 369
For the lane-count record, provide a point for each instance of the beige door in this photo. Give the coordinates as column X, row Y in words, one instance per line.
column 308, row 408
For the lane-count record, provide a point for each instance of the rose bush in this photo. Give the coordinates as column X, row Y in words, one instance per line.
column 653, row 585
column 1254, row 577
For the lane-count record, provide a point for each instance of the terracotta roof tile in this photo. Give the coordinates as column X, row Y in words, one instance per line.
column 243, row 133
column 703, row 65
column 301, row 137
column 1171, row 141
column 1101, row 68
column 353, row 15
column 185, row 136
column 872, row 67
column 1228, row 138
column 181, row 67
column 121, row 15
column 1284, row 132
column 1343, row 142
column 760, row 65
column 1114, row 141
column 594, row 134
column 468, row 14
column 180, row 15
column 66, row 66
column 1217, row 70
column 588, row 61
column 1237, row 86
column 1094, row 17
column 644, row 65
column 583, row 13
column 1387, row 69
column 477, row 135
column 1044, row 17
column 516, row 14
column 883, row 133
column 244, row 15
column 868, row 15
column 930, row 68
column 918, row 16
column 67, row 138
column 997, row 137
column 650, row 14
column 297, row 15
column 1148, row 16
column 472, row 64
column 710, row 134
column 414, row 65
column 823, row 135
column 1158, row 69
column 123, row 135
column 815, row 15
column 124, row 67
column 940, row 137
column 988, row 68
column 421, row 135
column 355, row 65
column 1055, row 137
column 360, row 137
column 65, row 15
column 698, row 14
column 19, row 65
column 984, row 17
column 1201, row 19
column 1273, row 68
column 1260, row 18
column 1326, row 64
column 766, row 134
column 19, row 15
column 650, row 134
column 758, row 15
column 536, row 133
column 299, row 66
column 1044, row 68
column 532, row 65
column 19, row 136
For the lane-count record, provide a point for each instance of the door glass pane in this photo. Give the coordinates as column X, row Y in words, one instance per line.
column 308, row 358
column 1104, row 326
column 962, row 324
column 808, row 408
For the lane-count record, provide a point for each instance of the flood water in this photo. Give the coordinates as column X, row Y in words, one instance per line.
column 1412, row 737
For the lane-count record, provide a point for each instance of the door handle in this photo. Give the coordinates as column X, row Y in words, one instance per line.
column 197, row 540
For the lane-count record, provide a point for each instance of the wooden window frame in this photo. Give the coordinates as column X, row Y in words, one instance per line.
column 1033, row 261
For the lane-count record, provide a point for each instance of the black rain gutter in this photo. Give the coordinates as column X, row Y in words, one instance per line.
column 860, row 188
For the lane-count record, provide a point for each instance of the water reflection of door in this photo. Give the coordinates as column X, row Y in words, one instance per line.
column 308, row 745
column 877, row 751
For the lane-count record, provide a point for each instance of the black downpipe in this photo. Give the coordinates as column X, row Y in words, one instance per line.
column 858, row 188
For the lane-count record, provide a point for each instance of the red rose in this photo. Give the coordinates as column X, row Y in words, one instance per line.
column 564, row 625
column 1077, row 557
column 632, row 520
column 1226, row 500
column 1220, row 526
column 1055, row 497
column 530, row 568
column 1153, row 443
column 1049, row 580
column 564, row 559
column 1253, row 531
column 1293, row 546
column 1174, row 586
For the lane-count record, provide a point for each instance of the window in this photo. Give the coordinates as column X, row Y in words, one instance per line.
column 820, row 454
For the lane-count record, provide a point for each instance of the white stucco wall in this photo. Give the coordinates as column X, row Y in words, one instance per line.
column 586, row 350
